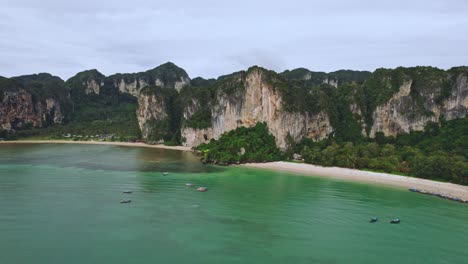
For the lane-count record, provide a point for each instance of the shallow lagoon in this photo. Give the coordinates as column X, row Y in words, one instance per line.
column 60, row 204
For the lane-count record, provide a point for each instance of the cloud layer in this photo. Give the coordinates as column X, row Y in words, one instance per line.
column 210, row 38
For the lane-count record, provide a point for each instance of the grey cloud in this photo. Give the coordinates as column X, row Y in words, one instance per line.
column 210, row 38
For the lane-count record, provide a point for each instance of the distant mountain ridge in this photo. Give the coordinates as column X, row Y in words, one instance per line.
column 164, row 104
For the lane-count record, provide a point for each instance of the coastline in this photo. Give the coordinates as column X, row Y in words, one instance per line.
column 393, row 180
column 112, row 143
column 403, row 182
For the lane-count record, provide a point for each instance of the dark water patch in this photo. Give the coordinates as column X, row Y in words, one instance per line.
column 99, row 157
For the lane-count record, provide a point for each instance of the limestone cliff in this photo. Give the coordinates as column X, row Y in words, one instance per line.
column 151, row 113
column 18, row 109
column 32, row 101
column 333, row 78
column 87, row 82
column 167, row 75
column 294, row 104
column 155, row 90
column 255, row 99
column 417, row 103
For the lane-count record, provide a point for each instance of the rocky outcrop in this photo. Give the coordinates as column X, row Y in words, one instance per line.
column 456, row 105
column 407, row 111
column 92, row 86
column 87, row 82
column 333, row 78
column 18, row 110
column 258, row 101
column 391, row 101
column 132, row 88
column 192, row 137
column 151, row 113
column 167, row 75
column 331, row 82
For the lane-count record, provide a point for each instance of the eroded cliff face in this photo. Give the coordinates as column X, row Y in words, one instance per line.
column 456, row 106
column 150, row 113
column 18, row 110
column 405, row 112
column 167, row 75
column 93, row 86
column 257, row 101
column 134, row 87
column 193, row 137
column 398, row 105
column 87, row 82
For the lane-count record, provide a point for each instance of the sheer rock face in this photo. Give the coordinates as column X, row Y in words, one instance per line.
column 456, row 106
column 167, row 75
column 257, row 101
column 88, row 82
column 254, row 99
column 400, row 114
column 134, row 87
column 183, row 81
column 93, row 86
column 151, row 108
column 17, row 109
column 193, row 137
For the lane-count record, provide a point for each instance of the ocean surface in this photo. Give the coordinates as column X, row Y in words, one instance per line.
column 61, row 204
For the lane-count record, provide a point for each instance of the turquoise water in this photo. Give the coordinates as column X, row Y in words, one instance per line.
column 61, row 204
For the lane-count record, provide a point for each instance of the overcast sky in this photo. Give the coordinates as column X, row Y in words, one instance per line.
column 213, row 37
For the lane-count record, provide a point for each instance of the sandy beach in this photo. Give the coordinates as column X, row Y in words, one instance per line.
column 305, row 169
column 366, row 176
column 126, row 144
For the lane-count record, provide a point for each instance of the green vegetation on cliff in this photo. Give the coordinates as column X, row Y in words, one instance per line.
column 108, row 112
column 85, row 114
column 8, row 85
column 310, row 78
column 168, row 74
column 167, row 128
column 43, row 86
column 199, row 100
column 254, row 144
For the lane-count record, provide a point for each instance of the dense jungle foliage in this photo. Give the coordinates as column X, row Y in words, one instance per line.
column 439, row 153
column 254, row 144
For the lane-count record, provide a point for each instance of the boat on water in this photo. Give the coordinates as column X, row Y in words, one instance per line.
column 202, row 189
column 127, row 191
column 395, row 221
column 126, row 201
column 189, row 184
column 165, row 173
column 374, row 219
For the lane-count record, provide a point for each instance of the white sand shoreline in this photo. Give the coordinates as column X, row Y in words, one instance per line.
column 398, row 181
column 451, row 189
column 113, row 143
